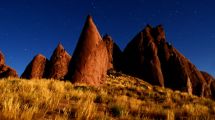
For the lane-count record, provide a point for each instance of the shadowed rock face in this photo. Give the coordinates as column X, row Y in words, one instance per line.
column 212, row 89
column 151, row 58
column 141, row 58
column 36, row 68
column 183, row 75
column 114, row 53
column 59, row 63
column 210, row 86
column 90, row 59
column 6, row 71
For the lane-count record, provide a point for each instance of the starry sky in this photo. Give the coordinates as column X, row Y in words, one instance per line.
column 29, row 27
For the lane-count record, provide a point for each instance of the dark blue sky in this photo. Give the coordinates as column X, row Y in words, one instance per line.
column 28, row 27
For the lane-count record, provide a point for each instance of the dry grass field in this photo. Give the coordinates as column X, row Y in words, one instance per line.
column 123, row 97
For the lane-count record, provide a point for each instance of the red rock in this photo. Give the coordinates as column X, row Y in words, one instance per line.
column 1, row 58
column 36, row 68
column 209, row 90
column 159, row 34
column 114, row 53
column 151, row 58
column 59, row 63
column 141, row 58
column 90, row 59
column 181, row 73
column 6, row 71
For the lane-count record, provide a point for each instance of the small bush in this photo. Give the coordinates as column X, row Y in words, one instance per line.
column 98, row 99
column 116, row 110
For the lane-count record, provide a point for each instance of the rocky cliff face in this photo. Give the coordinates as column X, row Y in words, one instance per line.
column 151, row 58
column 141, row 58
column 209, row 90
column 114, row 53
column 6, row 71
column 36, row 68
column 90, row 59
column 59, row 63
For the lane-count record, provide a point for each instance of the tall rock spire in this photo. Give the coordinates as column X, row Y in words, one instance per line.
column 59, row 63
column 89, row 37
column 90, row 58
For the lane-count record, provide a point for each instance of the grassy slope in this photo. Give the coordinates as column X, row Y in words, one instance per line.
column 123, row 97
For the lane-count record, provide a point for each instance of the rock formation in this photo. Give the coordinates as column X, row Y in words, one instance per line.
column 181, row 72
column 114, row 53
column 59, row 63
column 6, row 71
column 212, row 90
column 90, row 59
column 209, row 90
column 148, row 56
column 36, row 68
column 1, row 58
column 151, row 58
column 141, row 58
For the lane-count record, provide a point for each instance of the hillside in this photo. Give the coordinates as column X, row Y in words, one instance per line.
column 122, row 97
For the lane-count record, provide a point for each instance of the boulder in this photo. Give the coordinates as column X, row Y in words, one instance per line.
column 37, row 68
column 6, row 71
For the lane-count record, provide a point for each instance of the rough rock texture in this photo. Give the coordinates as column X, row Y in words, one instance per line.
column 210, row 86
column 59, row 63
column 151, row 58
column 1, row 58
column 114, row 53
column 90, row 59
column 6, row 71
column 183, row 75
column 36, row 68
column 212, row 89
column 141, row 58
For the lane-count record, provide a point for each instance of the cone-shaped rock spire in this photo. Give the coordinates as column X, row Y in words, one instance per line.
column 90, row 58
column 36, row 68
column 59, row 63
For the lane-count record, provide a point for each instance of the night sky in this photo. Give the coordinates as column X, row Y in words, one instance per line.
column 29, row 27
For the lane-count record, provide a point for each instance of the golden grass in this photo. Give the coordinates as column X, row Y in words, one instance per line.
column 123, row 97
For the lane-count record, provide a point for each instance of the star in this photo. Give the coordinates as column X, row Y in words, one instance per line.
column 93, row 4
column 195, row 12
